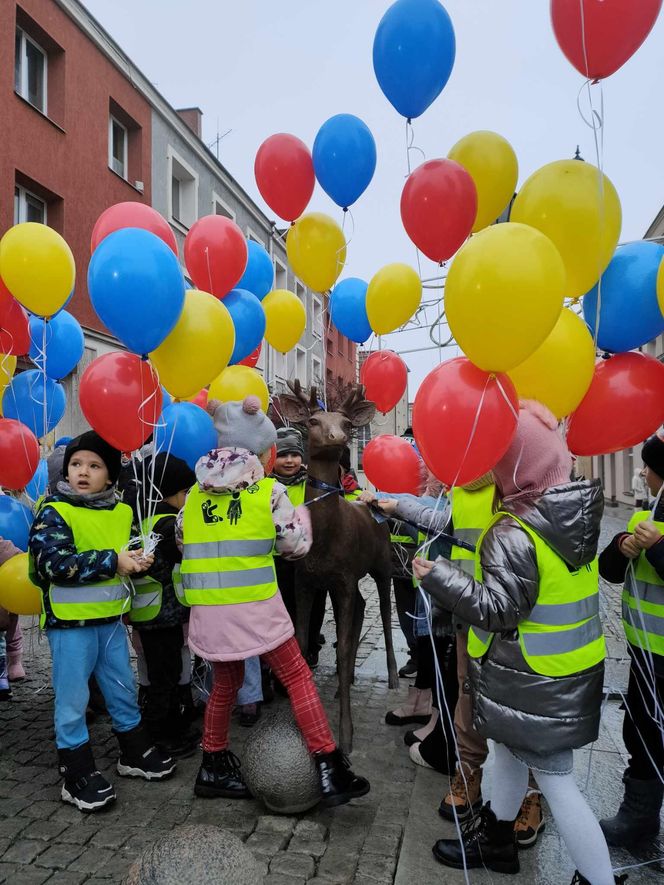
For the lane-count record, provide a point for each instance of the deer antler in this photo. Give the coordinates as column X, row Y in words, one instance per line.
column 355, row 396
column 311, row 402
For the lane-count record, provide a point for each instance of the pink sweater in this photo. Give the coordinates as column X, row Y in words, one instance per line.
column 246, row 629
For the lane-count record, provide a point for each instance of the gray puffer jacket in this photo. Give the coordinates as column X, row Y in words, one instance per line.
column 513, row 704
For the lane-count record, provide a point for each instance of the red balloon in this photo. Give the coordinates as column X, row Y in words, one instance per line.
column 284, row 174
column 132, row 214
column 385, row 378
column 215, row 252
column 121, row 399
column 14, row 330
column 464, row 420
column 253, row 357
column 597, row 36
column 624, row 405
column 201, row 399
column 19, row 454
column 392, row 465
column 438, row 207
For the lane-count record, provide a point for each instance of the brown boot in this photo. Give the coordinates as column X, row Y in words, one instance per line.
column 530, row 822
column 465, row 795
column 416, row 708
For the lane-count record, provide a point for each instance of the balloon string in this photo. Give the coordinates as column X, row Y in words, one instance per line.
column 349, row 214
column 410, row 138
column 473, row 429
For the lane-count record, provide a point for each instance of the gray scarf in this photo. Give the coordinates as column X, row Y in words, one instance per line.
column 96, row 501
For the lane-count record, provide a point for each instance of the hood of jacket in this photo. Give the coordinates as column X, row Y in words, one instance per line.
column 568, row 517
column 223, row 471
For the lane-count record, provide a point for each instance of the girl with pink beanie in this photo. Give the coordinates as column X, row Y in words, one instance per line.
column 234, row 520
column 536, row 647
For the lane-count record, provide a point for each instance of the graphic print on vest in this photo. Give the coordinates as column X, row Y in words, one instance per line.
column 209, row 516
column 234, row 512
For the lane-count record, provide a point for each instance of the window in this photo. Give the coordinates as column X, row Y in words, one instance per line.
column 301, row 366
column 183, row 204
column 219, row 207
column 316, row 371
column 28, row 207
column 280, row 364
column 340, row 343
column 280, row 275
column 30, row 70
column 330, row 346
column 363, row 439
column 317, row 317
column 118, row 141
column 252, row 235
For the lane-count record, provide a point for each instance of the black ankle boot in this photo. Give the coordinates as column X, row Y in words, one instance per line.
column 140, row 758
column 220, row 776
column 581, row 880
column 338, row 783
column 84, row 786
column 638, row 816
column 487, row 842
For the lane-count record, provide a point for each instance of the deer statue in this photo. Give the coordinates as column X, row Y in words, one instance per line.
column 347, row 542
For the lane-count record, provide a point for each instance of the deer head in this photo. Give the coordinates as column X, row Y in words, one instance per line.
column 329, row 432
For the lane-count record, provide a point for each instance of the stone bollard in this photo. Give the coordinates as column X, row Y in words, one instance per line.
column 196, row 855
column 277, row 766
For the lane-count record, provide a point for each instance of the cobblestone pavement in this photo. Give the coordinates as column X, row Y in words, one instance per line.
column 383, row 838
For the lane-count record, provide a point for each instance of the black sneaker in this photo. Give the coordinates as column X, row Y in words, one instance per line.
column 249, row 715
column 140, row 758
column 182, row 745
column 409, row 669
column 220, row 776
column 581, row 880
column 338, row 783
column 84, row 786
column 312, row 659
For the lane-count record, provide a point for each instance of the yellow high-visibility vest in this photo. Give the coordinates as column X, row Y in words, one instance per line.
column 643, row 599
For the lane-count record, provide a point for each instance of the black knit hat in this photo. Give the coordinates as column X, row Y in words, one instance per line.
column 92, row 442
column 289, row 440
column 171, row 475
column 653, row 455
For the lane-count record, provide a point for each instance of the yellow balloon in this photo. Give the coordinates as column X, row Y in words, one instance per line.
column 660, row 286
column 37, row 266
column 503, row 295
column 559, row 373
column 17, row 592
column 7, row 369
column 236, row 382
column 316, row 249
column 492, row 164
column 579, row 210
column 393, row 296
column 198, row 348
column 285, row 319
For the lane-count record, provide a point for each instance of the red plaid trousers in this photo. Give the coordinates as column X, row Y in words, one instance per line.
column 293, row 672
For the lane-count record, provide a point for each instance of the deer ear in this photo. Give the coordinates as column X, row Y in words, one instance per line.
column 362, row 413
column 293, row 409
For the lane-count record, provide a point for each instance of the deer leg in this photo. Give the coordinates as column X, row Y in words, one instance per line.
column 385, row 596
column 303, row 603
column 358, row 621
column 345, row 663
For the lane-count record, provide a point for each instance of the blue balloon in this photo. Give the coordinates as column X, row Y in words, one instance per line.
column 629, row 311
column 249, row 320
column 37, row 485
column 186, row 431
column 258, row 277
column 24, row 400
column 63, row 441
column 344, row 158
column 166, row 398
column 413, row 54
column 136, row 287
column 15, row 522
column 56, row 345
column 348, row 309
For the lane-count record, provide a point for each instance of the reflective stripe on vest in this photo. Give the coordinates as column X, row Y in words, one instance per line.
column 643, row 598
column 559, row 638
column 93, row 530
column 471, row 513
column 228, row 543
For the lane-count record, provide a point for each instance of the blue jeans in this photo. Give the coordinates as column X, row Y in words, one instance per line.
column 78, row 653
column 252, row 687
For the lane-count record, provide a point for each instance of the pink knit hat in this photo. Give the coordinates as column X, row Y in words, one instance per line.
column 537, row 458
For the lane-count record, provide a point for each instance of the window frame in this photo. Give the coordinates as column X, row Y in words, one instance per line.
column 317, row 307
column 280, row 268
column 23, row 194
column 112, row 120
column 173, row 156
column 219, row 201
column 301, row 352
column 24, row 91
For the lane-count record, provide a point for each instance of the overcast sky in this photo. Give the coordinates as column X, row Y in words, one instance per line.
column 257, row 67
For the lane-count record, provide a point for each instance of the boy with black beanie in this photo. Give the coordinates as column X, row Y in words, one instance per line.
column 637, row 558
column 78, row 547
column 158, row 611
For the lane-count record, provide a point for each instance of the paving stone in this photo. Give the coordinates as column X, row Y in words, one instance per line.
column 76, row 835
column 67, row 878
column 58, row 857
column 11, row 827
column 381, row 869
column 8, row 871
column 92, row 860
column 272, row 823
column 305, row 846
column 278, row 879
column 267, row 844
column 44, row 829
column 308, row 829
column 111, row 837
column 294, row 865
column 12, row 806
column 24, row 851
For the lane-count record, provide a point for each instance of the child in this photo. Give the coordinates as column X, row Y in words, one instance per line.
column 536, row 646
column 637, row 557
column 157, row 614
column 232, row 524
column 77, row 545
column 7, row 550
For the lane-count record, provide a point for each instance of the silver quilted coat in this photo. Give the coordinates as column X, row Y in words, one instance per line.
column 513, row 704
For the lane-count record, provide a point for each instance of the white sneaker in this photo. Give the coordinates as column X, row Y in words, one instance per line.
column 416, row 756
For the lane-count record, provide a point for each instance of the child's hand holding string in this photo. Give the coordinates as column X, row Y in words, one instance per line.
column 646, row 534
column 421, row 568
column 133, row 562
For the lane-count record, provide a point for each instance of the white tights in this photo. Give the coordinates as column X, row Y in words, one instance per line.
column 576, row 823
